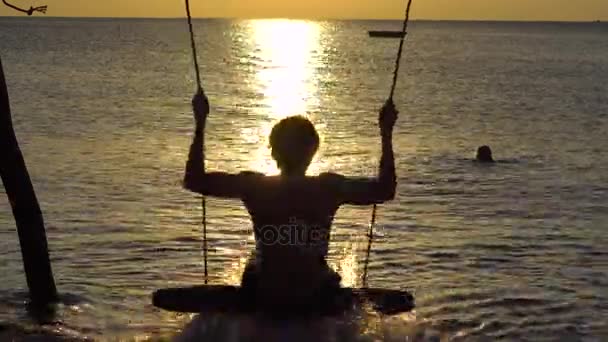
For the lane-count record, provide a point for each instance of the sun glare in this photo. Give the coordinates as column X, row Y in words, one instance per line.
column 286, row 78
column 286, row 50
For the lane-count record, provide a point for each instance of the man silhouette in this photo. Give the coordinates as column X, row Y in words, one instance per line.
column 291, row 213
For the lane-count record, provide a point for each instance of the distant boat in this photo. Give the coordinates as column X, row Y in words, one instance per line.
column 386, row 34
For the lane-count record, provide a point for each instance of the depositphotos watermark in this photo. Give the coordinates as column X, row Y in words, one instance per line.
column 295, row 233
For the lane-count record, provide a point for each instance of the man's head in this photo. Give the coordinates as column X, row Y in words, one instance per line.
column 484, row 154
column 294, row 142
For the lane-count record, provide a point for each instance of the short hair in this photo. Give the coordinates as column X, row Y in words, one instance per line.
column 294, row 140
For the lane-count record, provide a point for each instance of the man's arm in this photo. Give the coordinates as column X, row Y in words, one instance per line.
column 196, row 179
column 362, row 191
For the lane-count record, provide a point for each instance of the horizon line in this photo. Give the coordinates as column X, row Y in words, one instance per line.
column 313, row 19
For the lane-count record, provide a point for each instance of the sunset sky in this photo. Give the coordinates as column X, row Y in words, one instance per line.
column 580, row 10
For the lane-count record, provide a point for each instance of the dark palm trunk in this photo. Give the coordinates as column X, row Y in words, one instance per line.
column 26, row 210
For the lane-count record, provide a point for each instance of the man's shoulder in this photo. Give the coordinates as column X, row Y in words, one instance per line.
column 330, row 174
column 251, row 179
column 251, row 174
column 331, row 177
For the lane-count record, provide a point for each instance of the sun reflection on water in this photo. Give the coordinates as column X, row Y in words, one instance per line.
column 287, row 55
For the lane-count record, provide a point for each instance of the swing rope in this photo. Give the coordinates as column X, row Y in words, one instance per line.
column 401, row 43
column 200, row 89
column 370, row 235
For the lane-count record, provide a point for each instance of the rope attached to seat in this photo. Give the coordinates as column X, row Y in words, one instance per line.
column 372, row 223
column 200, row 89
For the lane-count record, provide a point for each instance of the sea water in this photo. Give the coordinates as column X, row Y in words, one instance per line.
column 516, row 250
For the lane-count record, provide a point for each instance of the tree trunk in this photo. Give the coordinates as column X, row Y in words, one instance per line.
column 26, row 210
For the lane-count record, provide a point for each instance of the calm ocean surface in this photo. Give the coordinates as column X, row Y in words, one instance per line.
column 515, row 251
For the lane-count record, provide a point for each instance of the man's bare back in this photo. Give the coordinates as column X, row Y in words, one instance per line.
column 288, row 212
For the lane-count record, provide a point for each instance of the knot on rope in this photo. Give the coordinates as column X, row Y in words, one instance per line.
column 41, row 9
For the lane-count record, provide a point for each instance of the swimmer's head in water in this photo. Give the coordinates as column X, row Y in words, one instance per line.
column 294, row 142
column 484, row 154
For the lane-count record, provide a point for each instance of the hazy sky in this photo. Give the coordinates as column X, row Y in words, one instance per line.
column 582, row 10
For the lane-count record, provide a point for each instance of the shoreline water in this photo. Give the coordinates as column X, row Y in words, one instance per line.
column 16, row 333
